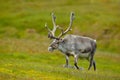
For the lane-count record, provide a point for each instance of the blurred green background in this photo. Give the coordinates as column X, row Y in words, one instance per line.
column 24, row 42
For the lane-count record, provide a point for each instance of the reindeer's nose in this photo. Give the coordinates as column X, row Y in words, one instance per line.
column 50, row 49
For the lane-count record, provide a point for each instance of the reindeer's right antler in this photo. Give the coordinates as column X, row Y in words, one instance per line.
column 69, row 28
column 52, row 33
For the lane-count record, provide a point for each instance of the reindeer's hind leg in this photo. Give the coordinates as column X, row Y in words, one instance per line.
column 94, row 64
column 91, row 62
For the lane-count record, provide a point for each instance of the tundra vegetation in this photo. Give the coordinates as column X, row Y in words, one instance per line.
column 23, row 41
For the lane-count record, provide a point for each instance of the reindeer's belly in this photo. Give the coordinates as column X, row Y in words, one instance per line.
column 84, row 55
column 81, row 55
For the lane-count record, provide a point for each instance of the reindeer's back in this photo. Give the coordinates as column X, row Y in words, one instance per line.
column 75, row 42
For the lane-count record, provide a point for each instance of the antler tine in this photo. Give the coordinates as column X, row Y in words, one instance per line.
column 70, row 25
column 54, row 24
column 53, row 19
column 47, row 27
column 71, row 21
column 49, row 31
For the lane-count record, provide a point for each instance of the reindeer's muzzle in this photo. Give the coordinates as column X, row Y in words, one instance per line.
column 50, row 49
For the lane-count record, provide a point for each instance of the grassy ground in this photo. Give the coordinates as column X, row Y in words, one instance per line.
column 24, row 42
column 46, row 66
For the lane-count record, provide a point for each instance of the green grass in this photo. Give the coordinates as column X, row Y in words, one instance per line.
column 44, row 66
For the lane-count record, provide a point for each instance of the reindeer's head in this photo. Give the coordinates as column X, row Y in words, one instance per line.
column 57, row 40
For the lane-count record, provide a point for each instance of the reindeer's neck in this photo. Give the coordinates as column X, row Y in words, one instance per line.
column 62, row 48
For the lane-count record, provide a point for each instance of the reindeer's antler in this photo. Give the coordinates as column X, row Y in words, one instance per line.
column 69, row 28
column 51, row 33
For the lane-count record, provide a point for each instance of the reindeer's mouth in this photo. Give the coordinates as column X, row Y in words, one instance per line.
column 50, row 49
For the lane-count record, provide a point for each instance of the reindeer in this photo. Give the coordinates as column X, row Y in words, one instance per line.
column 72, row 45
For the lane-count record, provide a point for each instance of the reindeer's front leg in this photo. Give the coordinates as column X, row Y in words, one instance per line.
column 76, row 60
column 67, row 61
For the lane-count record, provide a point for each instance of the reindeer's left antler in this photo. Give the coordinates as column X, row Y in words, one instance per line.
column 69, row 28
